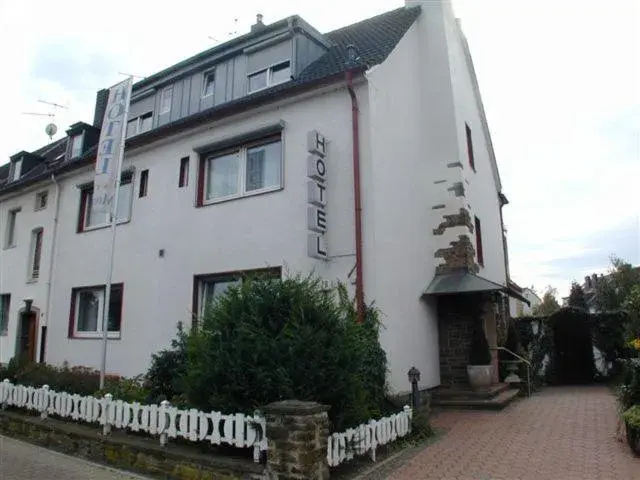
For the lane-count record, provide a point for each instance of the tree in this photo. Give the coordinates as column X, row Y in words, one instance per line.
column 577, row 298
column 632, row 306
column 549, row 303
column 616, row 287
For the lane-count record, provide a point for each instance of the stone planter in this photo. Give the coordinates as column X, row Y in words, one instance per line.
column 633, row 439
column 480, row 376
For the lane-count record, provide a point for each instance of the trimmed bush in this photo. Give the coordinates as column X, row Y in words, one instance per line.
column 168, row 370
column 270, row 340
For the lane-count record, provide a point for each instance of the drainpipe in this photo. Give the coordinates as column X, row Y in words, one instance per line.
column 52, row 255
column 357, row 200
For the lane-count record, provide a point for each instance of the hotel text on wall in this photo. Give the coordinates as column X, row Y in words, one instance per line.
column 317, row 195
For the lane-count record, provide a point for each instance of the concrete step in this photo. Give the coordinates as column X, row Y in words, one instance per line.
column 497, row 402
column 452, row 393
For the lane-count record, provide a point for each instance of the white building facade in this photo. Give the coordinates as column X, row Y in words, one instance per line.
column 217, row 180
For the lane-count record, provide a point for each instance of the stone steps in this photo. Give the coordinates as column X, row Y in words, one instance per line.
column 495, row 397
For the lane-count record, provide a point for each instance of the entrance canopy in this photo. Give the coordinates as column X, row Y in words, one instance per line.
column 467, row 282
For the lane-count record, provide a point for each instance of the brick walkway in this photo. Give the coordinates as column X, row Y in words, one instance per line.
column 562, row 433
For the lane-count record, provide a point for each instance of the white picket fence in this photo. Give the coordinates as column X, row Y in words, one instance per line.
column 366, row 437
column 242, row 431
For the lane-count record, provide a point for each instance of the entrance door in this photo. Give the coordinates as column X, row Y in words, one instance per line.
column 27, row 339
column 573, row 348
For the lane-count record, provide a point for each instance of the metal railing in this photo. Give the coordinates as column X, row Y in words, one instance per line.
column 523, row 360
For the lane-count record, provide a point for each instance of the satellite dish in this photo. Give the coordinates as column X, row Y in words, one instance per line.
column 51, row 130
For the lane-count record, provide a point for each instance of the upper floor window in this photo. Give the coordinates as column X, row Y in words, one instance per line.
column 273, row 75
column 5, row 300
column 245, row 170
column 15, row 170
column 139, row 124
column 88, row 220
column 472, row 162
column 76, row 145
column 87, row 311
column 208, row 86
column 183, row 175
column 479, row 242
column 10, row 239
column 36, row 253
column 41, row 200
column 165, row 100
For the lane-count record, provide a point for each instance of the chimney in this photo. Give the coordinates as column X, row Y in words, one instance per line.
column 102, row 97
column 258, row 25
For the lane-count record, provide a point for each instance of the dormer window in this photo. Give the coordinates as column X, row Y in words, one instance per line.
column 270, row 76
column 76, row 145
column 165, row 100
column 139, row 124
column 209, row 84
column 15, row 170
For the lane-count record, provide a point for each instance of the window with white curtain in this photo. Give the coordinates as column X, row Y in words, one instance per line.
column 88, row 308
column 247, row 170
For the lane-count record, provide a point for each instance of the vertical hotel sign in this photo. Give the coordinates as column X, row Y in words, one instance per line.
column 110, row 148
column 317, row 195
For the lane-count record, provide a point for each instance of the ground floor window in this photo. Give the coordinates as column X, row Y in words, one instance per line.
column 208, row 287
column 87, row 311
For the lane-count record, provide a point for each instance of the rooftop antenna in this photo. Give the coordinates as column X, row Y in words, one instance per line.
column 131, row 75
column 51, row 128
column 235, row 24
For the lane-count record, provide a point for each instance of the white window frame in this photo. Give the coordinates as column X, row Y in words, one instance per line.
column 32, row 274
column 162, row 98
column 5, row 312
column 208, row 74
column 101, row 299
column 269, row 71
column 12, row 221
column 87, row 207
column 242, row 173
column 39, row 196
column 72, row 141
column 138, row 121
column 16, row 170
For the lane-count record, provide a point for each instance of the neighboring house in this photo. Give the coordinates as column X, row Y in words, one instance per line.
column 246, row 157
column 520, row 307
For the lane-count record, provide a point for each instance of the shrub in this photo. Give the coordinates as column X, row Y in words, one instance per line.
column 270, row 340
column 632, row 416
column 609, row 334
column 80, row 380
column 479, row 353
column 628, row 391
column 168, row 369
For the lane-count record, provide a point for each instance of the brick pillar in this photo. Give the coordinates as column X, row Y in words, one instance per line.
column 297, row 434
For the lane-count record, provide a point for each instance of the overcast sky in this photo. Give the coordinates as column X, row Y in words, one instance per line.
column 560, row 81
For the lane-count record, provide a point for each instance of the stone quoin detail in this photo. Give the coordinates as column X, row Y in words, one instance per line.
column 459, row 255
column 460, row 219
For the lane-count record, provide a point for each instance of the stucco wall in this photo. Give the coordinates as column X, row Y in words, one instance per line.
column 14, row 262
column 254, row 232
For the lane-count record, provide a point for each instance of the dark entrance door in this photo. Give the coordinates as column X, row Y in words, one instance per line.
column 27, row 339
column 573, row 353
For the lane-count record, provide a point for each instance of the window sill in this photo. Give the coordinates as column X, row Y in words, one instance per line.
column 9, row 247
column 250, row 92
column 95, row 336
column 32, row 280
column 252, row 193
column 100, row 227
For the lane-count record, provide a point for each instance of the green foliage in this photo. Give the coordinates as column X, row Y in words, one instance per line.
column 613, row 290
column 168, row 369
column 628, row 391
column 549, row 304
column 127, row 389
column 631, row 305
column 577, row 298
column 609, row 334
column 479, row 353
column 632, row 416
column 269, row 340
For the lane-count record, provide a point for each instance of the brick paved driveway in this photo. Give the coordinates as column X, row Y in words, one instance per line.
column 561, row 433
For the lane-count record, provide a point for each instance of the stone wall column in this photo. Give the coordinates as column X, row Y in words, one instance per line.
column 297, row 434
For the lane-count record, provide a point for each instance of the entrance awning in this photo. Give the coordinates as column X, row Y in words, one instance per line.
column 467, row 282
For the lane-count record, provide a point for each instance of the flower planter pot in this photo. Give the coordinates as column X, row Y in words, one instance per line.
column 480, row 376
column 633, row 439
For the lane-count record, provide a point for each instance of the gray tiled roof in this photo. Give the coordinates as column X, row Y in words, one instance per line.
column 374, row 39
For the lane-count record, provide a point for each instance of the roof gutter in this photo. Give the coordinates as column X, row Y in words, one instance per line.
column 355, row 131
